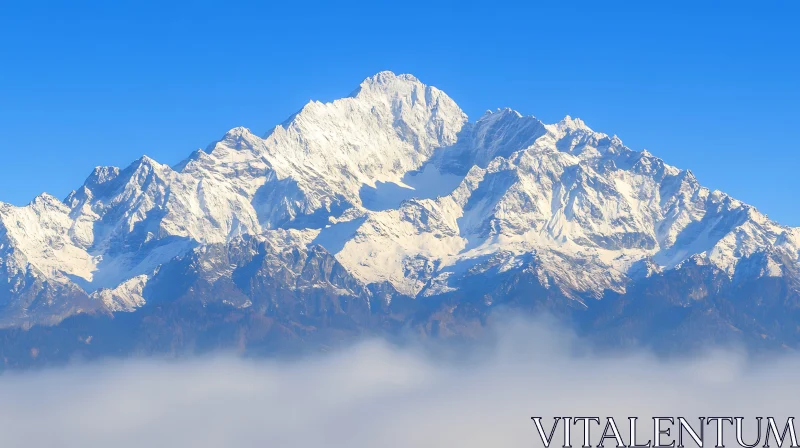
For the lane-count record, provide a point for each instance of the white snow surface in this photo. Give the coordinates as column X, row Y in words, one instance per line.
column 401, row 188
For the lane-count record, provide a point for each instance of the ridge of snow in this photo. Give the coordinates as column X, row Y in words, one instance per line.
column 397, row 184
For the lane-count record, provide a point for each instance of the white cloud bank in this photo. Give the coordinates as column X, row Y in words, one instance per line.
column 375, row 395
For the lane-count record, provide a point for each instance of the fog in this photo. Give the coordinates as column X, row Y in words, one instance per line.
column 374, row 395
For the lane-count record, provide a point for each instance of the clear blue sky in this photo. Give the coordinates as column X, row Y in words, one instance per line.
column 712, row 88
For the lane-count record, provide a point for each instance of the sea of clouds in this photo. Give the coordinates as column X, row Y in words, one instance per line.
column 374, row 395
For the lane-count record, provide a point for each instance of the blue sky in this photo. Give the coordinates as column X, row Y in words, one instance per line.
column 712, row 88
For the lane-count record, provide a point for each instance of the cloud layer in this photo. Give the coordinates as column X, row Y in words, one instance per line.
column 377, row 395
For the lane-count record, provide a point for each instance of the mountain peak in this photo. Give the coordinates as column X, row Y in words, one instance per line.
column 235, row 136
column 46, row 201
column 388, row 77
column 102, row 174
column 238, row 131
column 407, row 117
column 146, row 160
column 389, row 87
column 569, row 123
column 500, row 113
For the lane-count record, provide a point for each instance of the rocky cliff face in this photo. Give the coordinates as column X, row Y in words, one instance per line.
column 388, row 210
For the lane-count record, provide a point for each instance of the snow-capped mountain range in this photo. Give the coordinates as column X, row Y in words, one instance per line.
column 389, row 194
